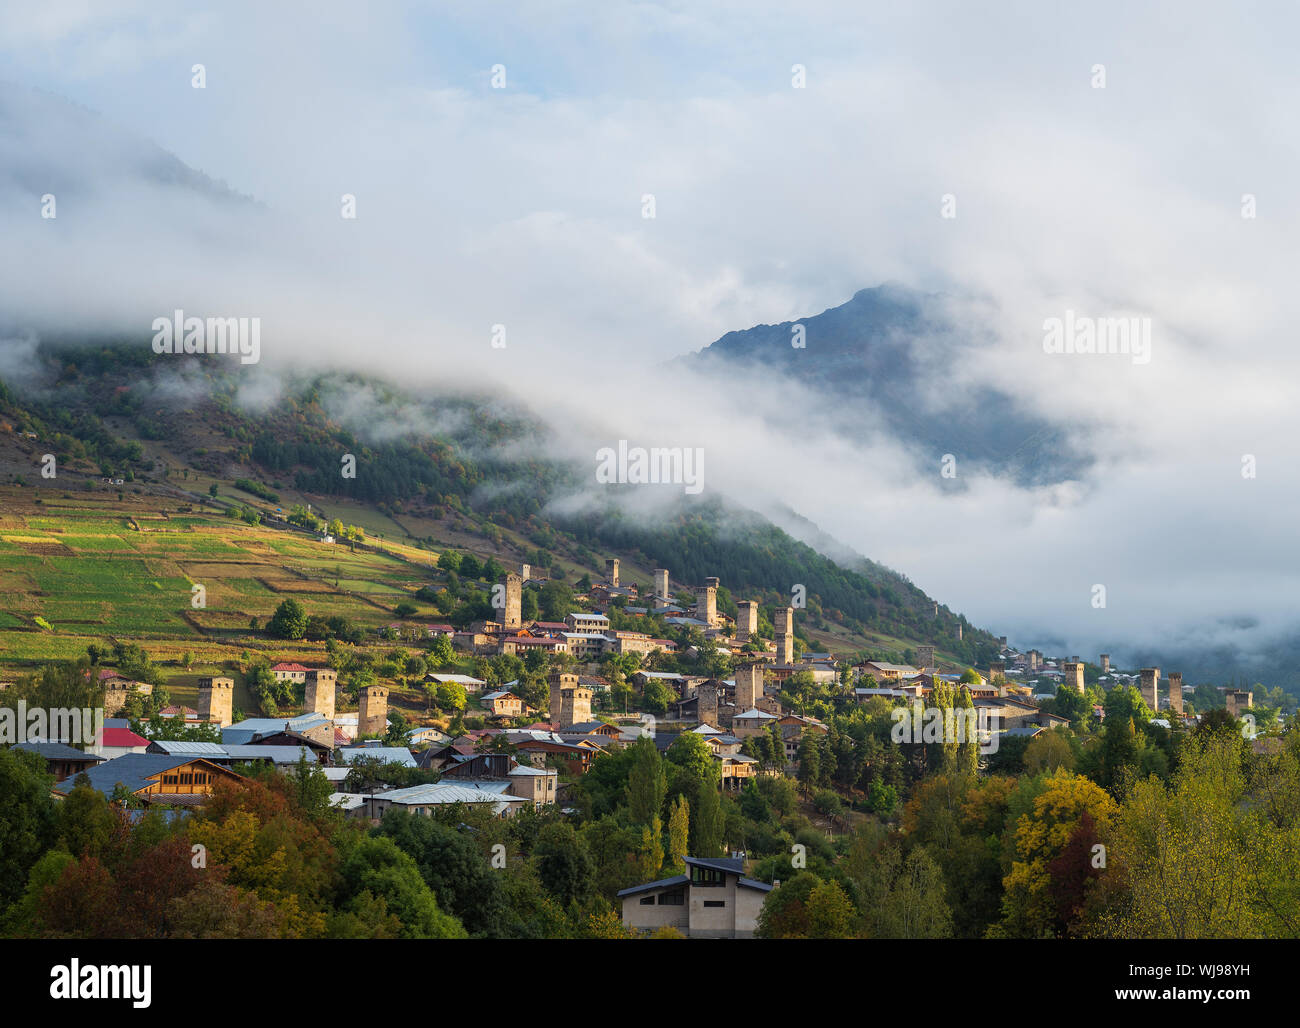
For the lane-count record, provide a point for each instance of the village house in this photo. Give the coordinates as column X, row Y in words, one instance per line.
column 713, row 900
column 156, row 778
column 61, row 760
column 502, row 703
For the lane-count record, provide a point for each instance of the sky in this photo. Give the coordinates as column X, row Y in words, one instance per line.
column 523, row 207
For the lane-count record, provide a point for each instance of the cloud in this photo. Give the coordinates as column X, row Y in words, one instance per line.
column 522, row 207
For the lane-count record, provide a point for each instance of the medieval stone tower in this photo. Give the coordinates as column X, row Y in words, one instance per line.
column 525, row 571
column 611, row 572
column 319, row 699
column 1176, row 691
column 570, row 702
column 1238, row 700
column 1150, row 687
column 785, row 635
column 1105, row 663
column 746, row 621
column 707, row 709
column 749, row 687
column 372, row 718
column 706, row 603
column 511, row 616
column 925, row 658
column 661, row 583
column 959, row 631
column 1073, row 676
column 217, row 700
column 997, row 669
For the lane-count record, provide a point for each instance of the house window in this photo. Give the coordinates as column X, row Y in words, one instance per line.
column 647, row 901
column 715, row 903
column 707, row 877
column 675, row 898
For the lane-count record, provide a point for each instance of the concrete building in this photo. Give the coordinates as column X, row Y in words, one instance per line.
column 713, row 900
column 217, row 700
column 373, row 715
column 322, row 685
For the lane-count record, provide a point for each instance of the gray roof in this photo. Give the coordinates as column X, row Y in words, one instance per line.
column 56, row 751
column 199, row 749
column 388, row 754
column 133, row 770
column 244, row 731
column 660, row 884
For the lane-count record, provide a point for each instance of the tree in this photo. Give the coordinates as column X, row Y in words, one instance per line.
column 809, row 758
column 1049, row 751
column 27, row 817
column 829, row 912
column 651, row 853
column 376, row 866
column 1036, row 838
column 707, row 835
column 647, row 782
column 563, row 864
column 289, row 620
column 679, row 821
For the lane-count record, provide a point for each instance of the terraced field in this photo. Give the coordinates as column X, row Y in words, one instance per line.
column 100, row 568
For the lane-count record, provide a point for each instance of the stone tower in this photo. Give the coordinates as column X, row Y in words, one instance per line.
column 1238, row 700
column 1150, row 687
column 747, row 621
column 525, row 571
column 511, row 616
column 661, row 583
column 749, row 687
column 997, row 669
column 706, row 604
column 611, row 572
column 707, row 694
column 1176, row 691
column 959, row 631
column 321, row 683
column 785, row 635
column 570, row 702
column 217, row 700
column 925, row 658
column 1105, row 663
column 372, row 718
column 1073, row 676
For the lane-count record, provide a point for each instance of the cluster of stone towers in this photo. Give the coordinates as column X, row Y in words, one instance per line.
column 217, row 695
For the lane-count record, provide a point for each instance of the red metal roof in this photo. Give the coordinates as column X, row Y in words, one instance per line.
column 122, row 737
